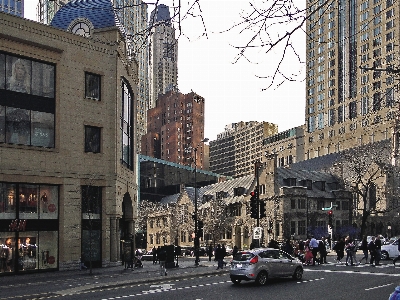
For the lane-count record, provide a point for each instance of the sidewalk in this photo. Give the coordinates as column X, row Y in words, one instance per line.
column 118, row 276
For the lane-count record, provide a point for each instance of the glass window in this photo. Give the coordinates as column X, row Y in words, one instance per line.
column 18, row 75
column 91, row 202
column 28, row 201
column 2, row 71
column 42, row 79
column 17, row 126
column 126, row 126
column 92, row 86
column 42, row 129
column 2, row 124
column 48, row 205
column 92, row 139
column 7, row 201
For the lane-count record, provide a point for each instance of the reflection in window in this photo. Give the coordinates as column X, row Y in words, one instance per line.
column 92, row 86
column 126, row 126
column 18, row 75
column 17, row 126
column 91, row 202
column 42, row 80
column 42, row 129
column 2, row 124
column 92, row 139
column 7, row 200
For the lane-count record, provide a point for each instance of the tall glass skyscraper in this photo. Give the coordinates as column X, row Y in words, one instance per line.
column 14, row 7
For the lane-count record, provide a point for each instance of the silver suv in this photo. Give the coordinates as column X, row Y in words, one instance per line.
column 262, row 263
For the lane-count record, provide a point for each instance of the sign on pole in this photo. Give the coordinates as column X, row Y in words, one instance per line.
column 257, row 233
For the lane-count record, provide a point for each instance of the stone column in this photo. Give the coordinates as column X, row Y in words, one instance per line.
column 114, row 239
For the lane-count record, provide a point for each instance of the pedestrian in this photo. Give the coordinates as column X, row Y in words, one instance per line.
column 288, row 247
column 158, row 252
column 398, row 257
column 378, row 244
column 219, row 257
column 162, row 257
column 210, row 252
column 154, row 253
column 372, row 252
column 223, row 254
column 322, row 251
column 235, row 251
column 364, row 248
column 339, row 248
column 349, row 247
column 314, row 248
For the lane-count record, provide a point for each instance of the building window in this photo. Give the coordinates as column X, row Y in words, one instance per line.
column 127, row 125
column 92, row 139
column 92, row 86
column 301, row 227
column 301, row 203
column 31, row 85
column 292, row 227
column 293, row 203
column 352, row 109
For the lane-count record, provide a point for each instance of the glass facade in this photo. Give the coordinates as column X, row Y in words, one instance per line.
column 28, row 227
column 14, row 7
column 27, row 103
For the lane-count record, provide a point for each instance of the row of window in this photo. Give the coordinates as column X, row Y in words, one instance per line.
column 302, row 204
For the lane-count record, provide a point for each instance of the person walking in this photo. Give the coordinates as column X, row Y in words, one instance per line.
column 235, row 251
column 378, row 245
column 339, row 248
column 162, row 257
column 364, row 248
column 210, row 252
column 314, row 248
column 322, row 251
column 371, row 249
column 398, row 249
column 349, row 251
column 219, row 256
column 154, row 253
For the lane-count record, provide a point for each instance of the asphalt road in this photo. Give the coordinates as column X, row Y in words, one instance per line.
column 331, row 281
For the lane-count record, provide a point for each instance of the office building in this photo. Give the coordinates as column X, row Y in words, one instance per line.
column 235, row 151
column 175, row 127
column 68, row 181
column 349, row 100
column 163, row 54
column 14, row 7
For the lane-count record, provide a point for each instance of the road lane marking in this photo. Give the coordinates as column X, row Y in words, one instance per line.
column 379, row 286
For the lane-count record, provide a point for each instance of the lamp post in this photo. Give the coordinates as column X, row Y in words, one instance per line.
column 196, row 234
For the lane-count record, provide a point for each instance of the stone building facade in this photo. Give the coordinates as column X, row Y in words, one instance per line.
column 68, row 185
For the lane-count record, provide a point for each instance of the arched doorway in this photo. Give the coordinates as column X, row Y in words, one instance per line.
column 126, row 230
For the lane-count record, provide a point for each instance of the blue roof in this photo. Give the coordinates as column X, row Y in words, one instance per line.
column 99, row 12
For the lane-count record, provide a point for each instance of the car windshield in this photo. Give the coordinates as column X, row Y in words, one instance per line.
column 243, row 256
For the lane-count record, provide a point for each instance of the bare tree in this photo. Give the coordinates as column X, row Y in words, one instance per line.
column 365, row 171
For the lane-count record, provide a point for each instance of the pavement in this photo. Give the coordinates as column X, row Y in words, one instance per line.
column 118, row 276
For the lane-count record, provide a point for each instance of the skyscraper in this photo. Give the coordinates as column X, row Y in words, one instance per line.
column 163, row 54
column 46, row 9
column 350, row 101
column 14, row 7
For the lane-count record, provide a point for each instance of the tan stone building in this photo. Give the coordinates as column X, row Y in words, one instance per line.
column 68, row 187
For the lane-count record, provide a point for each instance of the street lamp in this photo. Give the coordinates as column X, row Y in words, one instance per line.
column 196, row 234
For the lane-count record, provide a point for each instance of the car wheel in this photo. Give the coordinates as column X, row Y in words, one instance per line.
column 236, row 281
column 262, row 278
column 384, row 255
column 298, row 274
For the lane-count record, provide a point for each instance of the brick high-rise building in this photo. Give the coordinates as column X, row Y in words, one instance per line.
column 347, row 106
column 175, row 127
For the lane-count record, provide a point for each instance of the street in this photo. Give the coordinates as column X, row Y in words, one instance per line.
column 330, row 281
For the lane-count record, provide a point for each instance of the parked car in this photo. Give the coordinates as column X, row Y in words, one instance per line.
column 148, row 255
column 263, row 263
column 389, row 250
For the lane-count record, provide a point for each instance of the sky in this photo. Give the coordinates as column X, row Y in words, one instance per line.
column 232, row 91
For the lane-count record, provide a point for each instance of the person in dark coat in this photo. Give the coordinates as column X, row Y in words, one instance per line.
column 235, row 251
column 364, row 248
column 288, row 247
column 339, row 248
column 219, row 256
column 154, row 253
column 322, row 251
column 372, row 251
column 210, row 252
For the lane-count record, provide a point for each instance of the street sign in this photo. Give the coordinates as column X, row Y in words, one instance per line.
column 257, row 233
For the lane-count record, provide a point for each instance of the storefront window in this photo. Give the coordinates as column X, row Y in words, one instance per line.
column 7, row 201
column 28, row 201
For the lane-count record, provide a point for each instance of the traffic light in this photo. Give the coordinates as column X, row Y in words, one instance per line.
column 253, row 206
column 330, row 218
column 200, row 227
column 262, row 210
